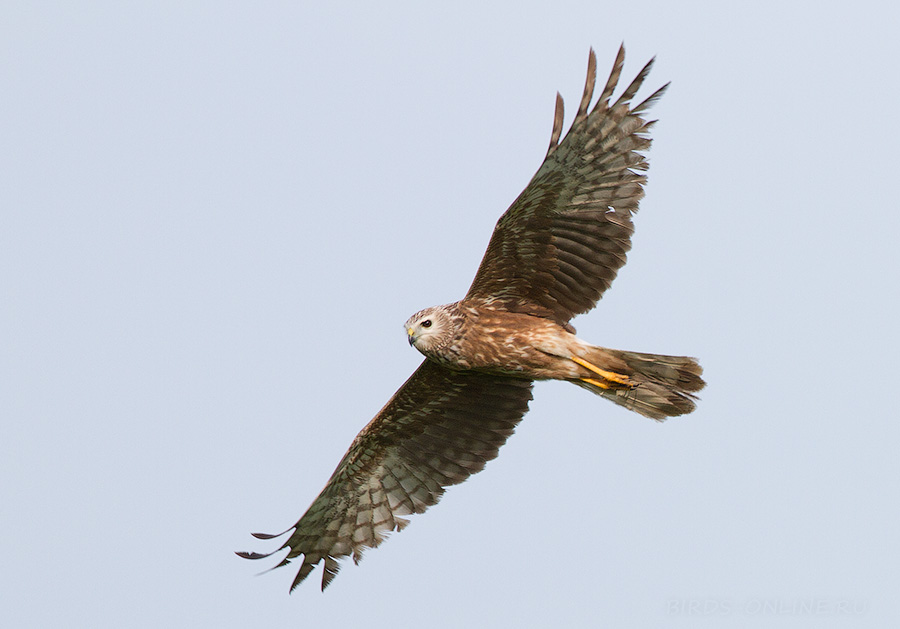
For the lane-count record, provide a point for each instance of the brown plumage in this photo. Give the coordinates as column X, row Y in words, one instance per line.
column 552, row 255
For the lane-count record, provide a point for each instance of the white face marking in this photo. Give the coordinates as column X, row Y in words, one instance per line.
column 427, row 328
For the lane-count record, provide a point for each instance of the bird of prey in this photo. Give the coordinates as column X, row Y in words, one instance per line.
column 551, row 256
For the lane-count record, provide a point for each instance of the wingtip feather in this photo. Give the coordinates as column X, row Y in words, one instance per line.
column 635, row 85
column 558, row 115
column 251, row 554
column 613, row 79
column 589, row 83
column 270, row 535
column 651, row 100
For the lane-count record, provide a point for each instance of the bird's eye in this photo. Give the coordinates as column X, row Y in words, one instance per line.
column 426, row 323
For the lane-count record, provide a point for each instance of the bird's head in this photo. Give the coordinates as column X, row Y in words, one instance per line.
column 430, row 329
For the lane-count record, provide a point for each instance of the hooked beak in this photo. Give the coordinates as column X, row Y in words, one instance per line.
column 409, row 332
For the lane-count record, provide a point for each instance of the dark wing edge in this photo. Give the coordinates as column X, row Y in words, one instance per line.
column 561, row 243
column 438, row 429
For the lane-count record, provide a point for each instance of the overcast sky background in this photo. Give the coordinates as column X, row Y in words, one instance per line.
column 215, row 217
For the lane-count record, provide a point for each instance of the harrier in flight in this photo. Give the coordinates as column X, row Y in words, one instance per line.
column 552, row 255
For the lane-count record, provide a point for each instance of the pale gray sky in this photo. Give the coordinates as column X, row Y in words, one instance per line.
column 215, row 217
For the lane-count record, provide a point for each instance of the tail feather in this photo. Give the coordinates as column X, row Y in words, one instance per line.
column 665, row 385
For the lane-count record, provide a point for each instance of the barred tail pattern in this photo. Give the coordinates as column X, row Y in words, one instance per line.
column 665, row 384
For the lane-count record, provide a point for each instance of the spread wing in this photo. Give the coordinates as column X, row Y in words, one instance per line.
column 437, row 430
column 560, row 244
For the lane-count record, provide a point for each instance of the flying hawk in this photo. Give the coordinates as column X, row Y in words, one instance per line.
column 552, row 255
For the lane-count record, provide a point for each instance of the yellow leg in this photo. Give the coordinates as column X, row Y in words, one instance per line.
column 596, row 383
column 618, row 378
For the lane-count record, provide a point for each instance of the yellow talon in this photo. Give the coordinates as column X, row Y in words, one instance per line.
column 611, row 376
column 596, row 383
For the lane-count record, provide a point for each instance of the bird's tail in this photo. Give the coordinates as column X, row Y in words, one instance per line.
column 655, row 385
